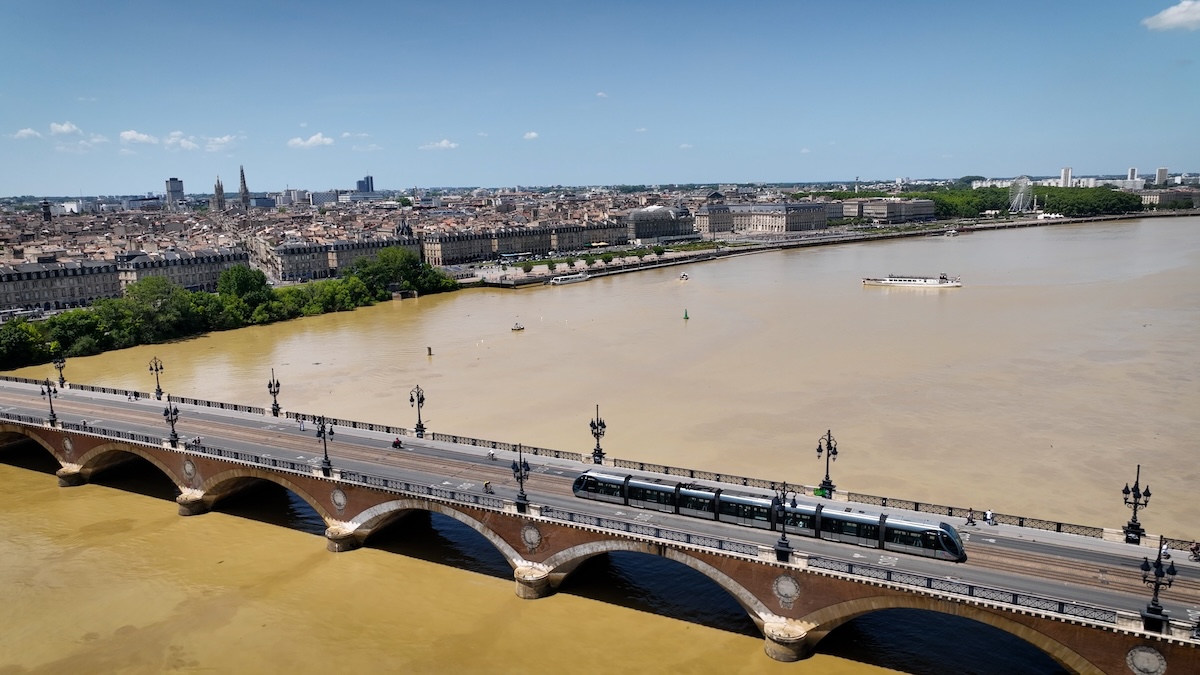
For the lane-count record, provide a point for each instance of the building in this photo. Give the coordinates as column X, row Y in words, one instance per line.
column 778, row 218
column 1177, row 198
column 217, row 203
column 57, row 285
column 713, row 220
column 894, row 210
column 1065, row 177
column 198, row 270
column 1160, row 176
column 262, row 203
column 174, row 194
column 367, row 184
column 658, row 222
column 243, row 191
column 1132, row 173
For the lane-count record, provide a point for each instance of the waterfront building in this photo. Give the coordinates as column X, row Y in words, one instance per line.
column 50, row 284
column 658, row 222
column 174, row 194
column 894, row 210
column 713, row 220
column 1158, row 198
column 778, row 218
column 197, row 270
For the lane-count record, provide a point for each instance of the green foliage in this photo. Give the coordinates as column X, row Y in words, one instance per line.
column 399, row 268
column 404, row 201
column 607, row 258
column 589, row 260
column 247, row 284
column 1077, row 202
column 659, row 250
column 21, row 345
column 527, row 268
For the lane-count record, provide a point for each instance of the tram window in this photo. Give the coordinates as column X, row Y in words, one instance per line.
column 929, row 539
column 730, row 509
column 831, row 524
column 695, row 503
column 759, row 513
column 610, row 489
column 868, row 531
column 904, row 538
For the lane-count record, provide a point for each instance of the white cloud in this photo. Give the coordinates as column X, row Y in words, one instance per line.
column 217, row 143
column 805, row 151
column 530, row 135
column 1184, row 15
column 347, row 134
column 78, row 147
column 57, row 129
column 27, row 133
column 685, row 146
column 444, row 144
column 177, row 139
column 316, row 140
column 482, row 133
column 127, row 151
column 640, row 130
column 370, row 147
column 132, row 136
column 98, row 138
column 601, row 94
column 303, row 125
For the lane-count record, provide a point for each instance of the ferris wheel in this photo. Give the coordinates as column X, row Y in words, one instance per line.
column 1020, row 194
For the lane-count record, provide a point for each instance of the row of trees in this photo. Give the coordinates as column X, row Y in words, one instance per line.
column 963, row 202
column 155, row 310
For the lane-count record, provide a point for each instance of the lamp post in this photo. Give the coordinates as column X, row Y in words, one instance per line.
column 1154, row 576
column 60, row 363
column 416, row 398
column 827, row 445
column 783, row 549
column 1135, row 499
column 156, row 367
column 49, row 391
column 325, row 432
column 598, row 427
column 520, row 469
column 273, row 390
column 171, row 415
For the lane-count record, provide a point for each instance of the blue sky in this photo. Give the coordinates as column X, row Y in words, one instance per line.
column 113, row 98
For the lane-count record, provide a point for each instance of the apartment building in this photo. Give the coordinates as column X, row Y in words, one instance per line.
column 197, row 270
column 57, row 285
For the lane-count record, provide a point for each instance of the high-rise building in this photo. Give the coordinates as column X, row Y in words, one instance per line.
column 174, row 194
column 1160, row 176
column 218, row 199
column 1132, row 173
column 367, row 184
column 1065, row 179
column 243, row 192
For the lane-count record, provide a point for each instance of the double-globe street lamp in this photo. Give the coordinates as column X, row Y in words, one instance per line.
column 1155, row 576
column 156, row 367
column 783, row 549
column 273, row 390
column 598, row 428
column 827, row 445
column 59, row 363
column 325, row 432
column 49, row 391
column 1135, row 499
column 520, row 469
column 171, row 415
column 416, row 399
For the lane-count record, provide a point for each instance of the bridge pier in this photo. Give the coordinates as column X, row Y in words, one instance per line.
column 70, row 476
column 191, row 505
column 786, row 641
column 532, row 583
column 338, row 540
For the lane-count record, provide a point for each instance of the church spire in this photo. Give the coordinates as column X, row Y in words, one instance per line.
column 243, row 192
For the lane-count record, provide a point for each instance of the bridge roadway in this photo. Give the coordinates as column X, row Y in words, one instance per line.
column 1069, row 567
column 1048, row 565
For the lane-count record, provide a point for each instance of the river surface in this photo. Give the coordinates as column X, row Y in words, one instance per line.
column 1065, row 360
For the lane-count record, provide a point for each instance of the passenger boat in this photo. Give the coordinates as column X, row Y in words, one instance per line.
column 569, row 279
column 951, row 233
column 517, row 326
column 940, row 281
column 683, row 277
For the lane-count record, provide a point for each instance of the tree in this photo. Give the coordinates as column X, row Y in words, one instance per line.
column 527, row 268
column 20, row 345
column 248, row 284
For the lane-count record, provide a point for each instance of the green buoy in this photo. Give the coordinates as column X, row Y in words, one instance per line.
column 685, row 314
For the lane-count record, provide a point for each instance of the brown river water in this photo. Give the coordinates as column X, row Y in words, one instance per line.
column 1065, row 360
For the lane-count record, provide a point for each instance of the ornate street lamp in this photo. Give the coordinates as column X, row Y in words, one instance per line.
column 783, row 549
column 273, row 390
column 1156, row 577
column 416, row 398
column 49, row 391
column 60, row 363
column 171, row 415
column 598, row 427
column 325, row 432
column 826, row 444
column 520, row 469
column 1135, row 499
column 156, row 367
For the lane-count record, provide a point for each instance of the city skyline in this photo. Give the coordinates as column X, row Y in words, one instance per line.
column 540, row 94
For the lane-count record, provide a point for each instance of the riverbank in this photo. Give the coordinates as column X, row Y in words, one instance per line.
column 540, row 274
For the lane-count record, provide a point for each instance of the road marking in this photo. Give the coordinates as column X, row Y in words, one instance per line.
column 888, row 560
column 644, row 517
column 465, row 486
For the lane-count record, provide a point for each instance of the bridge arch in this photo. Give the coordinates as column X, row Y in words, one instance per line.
column 379, row 516
column 108, row 454
column 228, row 482
column 27, row 432
column 827, row 619
column 563, row 563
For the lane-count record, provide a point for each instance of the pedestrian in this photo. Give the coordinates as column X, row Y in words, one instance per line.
column 301, row 424
column 989, row 517
column 1166, row 555
column 970, row 516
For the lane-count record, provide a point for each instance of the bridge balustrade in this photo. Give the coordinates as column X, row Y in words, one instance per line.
column 704, row 541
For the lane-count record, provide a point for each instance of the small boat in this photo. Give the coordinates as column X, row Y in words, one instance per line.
column 940, row 281
column 517, row 326
column 569, row 279
column 951, row 233
column 683, row 277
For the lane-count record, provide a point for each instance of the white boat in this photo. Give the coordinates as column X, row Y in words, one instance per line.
column 951, row 233
column 683, row 277
column 940, row 281
column 569, row 279
column 517, row 326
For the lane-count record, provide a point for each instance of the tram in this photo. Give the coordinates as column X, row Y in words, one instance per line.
column 939, row 541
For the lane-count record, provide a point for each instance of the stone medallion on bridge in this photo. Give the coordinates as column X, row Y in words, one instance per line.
column 786, row 589
column 1144, row 660
column 189, row 469
column 68, row 446
column 338, row 498
column 531, row 536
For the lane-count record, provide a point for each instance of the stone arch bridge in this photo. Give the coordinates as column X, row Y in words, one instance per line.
column 795, row 603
